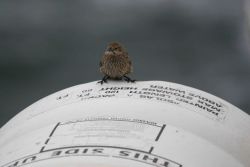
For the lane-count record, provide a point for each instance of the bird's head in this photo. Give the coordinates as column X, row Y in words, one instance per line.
column 115, row 46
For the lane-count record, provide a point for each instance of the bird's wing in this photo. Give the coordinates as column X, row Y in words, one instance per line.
column 101, row 62
column 130, row 67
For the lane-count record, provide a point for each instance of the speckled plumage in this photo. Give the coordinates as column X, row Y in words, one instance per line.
column 115, row 62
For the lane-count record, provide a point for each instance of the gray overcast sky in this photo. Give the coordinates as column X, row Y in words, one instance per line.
column 46, row 46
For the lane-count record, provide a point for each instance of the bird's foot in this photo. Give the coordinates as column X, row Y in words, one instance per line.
column 104, row 80
column 128, row 79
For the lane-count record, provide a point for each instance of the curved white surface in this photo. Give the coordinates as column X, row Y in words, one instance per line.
column 118, row 124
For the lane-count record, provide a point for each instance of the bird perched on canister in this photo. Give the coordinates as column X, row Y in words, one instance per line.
column 115, row 63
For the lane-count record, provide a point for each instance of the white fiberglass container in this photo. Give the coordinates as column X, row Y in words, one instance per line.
column 119, row 124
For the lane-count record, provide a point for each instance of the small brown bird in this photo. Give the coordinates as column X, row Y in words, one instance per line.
column 115, row 63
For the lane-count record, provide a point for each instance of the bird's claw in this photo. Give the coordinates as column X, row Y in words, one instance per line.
column 104, row 80
column 129, row 79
